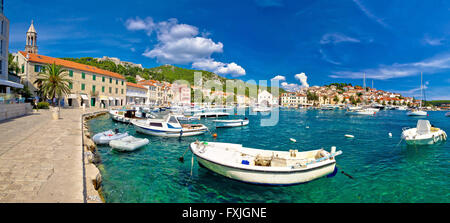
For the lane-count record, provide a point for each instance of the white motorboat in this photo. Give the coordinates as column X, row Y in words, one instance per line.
column 128, row 143
column 401, row 108
column 127, row 115
column 267, row 167
column 423, row 134
column 231, row 123
column 416, row 112
column 106, row 136
column 211, row 114
column 351, row 108
column 261, row 109
column 168, row 127
column 361, row 112
column 372, row 109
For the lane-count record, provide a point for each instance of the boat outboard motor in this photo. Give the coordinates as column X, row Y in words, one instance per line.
column 116, row 130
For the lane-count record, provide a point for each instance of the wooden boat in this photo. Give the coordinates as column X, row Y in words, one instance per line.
column 266, row 167
column 168, row 127
column 106, row 136
column 231, row 123
column 423, row 134
column 128, row 143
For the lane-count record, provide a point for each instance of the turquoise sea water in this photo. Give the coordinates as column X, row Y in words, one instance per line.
column 382, row 171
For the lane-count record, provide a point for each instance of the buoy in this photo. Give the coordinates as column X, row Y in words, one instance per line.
column 349, row 136
column 293, row 140
column 390, row 134
column 215, row 135
column 307, row 127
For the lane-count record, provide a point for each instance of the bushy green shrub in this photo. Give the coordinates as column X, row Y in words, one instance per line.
column 43, row 105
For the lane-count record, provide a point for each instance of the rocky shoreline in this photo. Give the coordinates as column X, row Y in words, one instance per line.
column 91, row 161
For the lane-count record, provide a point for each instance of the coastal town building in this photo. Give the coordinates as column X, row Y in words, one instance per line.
column 181, row 94
column 293, row 100
column 266, row 99
column 90, row 87
column 136, row 94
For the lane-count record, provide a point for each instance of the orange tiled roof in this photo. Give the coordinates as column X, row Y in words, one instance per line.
column 69, row 64
column 135, row 85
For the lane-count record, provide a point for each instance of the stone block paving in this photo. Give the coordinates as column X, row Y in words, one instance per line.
column 41, row 158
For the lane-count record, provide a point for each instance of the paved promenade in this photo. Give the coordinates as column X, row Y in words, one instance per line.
column 41, row 158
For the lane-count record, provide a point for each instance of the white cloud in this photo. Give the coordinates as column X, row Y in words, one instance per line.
column 219, row 67
column 292, row 86
column 334, row 38
column 140, row 24
column 279, row 77
column 303, row 79
column 396, row 70
column 370, row 14
column 181, row 44
column 433, row 41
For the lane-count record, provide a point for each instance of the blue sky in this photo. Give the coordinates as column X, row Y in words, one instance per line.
column 300, row 42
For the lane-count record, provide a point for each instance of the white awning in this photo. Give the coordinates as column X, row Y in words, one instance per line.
column 111, row 99
column 72, row 96
column 118, row 99
column 10, row 84
column 103, row 98
column 84, row 97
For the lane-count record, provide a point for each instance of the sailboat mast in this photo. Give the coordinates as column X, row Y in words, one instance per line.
column 421, row 90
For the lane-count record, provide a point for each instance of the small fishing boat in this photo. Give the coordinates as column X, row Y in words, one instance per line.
column 293, row 140
column 231, row 123
column 361, row 112
column 106, row 136
column 126, row 115
column 211, row 114
column 349, row 136
column 128, row 143
column 266, row 167
column 447, row 114
column 423, row 134
column 168, row 127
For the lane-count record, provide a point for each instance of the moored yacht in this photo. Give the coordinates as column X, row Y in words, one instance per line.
column 168, row 127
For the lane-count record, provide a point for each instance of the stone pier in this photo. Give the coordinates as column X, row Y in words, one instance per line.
column 41, row 160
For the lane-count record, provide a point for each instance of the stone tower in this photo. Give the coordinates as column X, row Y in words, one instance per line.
column 31, row 46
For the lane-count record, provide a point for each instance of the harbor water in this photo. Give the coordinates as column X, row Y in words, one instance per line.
column 383, row 169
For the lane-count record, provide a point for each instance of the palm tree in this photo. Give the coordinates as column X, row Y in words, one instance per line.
column 53, row 82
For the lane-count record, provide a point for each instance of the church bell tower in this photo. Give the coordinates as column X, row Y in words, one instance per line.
column 31, row 46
